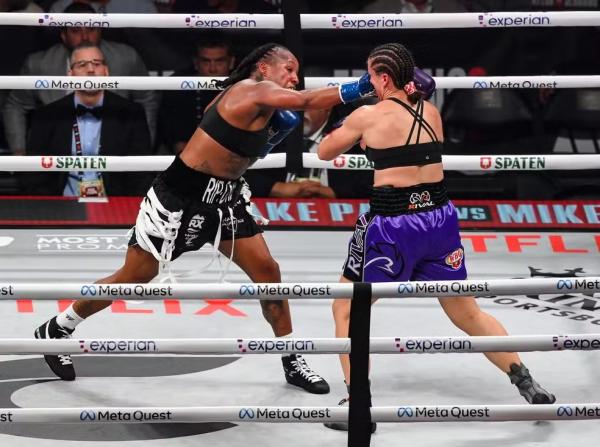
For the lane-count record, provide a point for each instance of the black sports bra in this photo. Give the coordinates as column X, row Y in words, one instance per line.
column 247, row 143
column 416, row 154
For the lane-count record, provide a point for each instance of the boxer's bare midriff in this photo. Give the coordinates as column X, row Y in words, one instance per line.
column 406, row 176
column 204, row 154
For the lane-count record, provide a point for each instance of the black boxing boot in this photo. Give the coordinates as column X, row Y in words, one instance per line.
column 343, row 426
column 528, row 387
column 298, row 373
column 61, row 365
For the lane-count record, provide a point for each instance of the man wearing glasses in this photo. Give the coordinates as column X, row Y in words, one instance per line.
column 88, row 122
column 123, row 60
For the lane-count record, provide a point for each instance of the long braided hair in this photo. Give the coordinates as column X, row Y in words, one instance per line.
column 248, row 64
column 395, row 60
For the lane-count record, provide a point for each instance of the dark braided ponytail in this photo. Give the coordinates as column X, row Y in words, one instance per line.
column 248, row 64
column 395, row 60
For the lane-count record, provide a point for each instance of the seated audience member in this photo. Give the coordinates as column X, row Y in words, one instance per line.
column 24, row 40
column 88, row 122
column 123, row 60
column 19, row 6
column 153, row 44
column 181, row 110
column 111, row 7
column 413, row 6
column 279, row 183
column 224, row 6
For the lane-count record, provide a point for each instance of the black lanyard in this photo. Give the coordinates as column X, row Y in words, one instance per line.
column 79, row 147
column 77, row 136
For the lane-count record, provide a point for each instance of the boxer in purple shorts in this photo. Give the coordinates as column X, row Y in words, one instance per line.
column 392, row 248
column 411, row 231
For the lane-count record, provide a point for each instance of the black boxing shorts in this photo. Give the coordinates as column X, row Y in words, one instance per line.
column 184, row 209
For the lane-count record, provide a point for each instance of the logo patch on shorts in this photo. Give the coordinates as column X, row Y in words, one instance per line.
column 193, row 229
column 420, row 200
column 455, row 259
column 231, row 225
column 196, row 223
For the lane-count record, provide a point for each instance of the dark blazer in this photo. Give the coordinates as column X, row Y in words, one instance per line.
column 124, row 132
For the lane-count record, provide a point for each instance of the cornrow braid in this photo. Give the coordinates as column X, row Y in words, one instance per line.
column 395, row 60
column 248, row 64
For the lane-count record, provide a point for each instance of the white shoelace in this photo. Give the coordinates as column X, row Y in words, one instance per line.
column 64, row 359
column 302, row 367
column 154, row 224
column 247, row 195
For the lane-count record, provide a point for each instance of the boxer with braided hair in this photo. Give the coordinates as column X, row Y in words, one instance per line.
column 411, row 232
column 248, row 64
column 202, row 196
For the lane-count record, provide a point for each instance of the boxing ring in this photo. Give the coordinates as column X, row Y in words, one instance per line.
column 159, row 383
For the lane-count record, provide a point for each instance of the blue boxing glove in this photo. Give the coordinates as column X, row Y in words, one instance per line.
column 355, row 90
column 424, row 82
column 280, row 125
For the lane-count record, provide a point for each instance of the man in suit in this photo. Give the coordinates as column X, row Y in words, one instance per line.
column 123, row 60
column 88, row 122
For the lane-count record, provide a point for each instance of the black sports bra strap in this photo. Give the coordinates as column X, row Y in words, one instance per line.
column 414, row 123
column 218, row 99
column 412, row 112
column 417, row 119
column 429, row 129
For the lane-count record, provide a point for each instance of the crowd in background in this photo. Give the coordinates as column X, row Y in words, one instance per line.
column 485, row 121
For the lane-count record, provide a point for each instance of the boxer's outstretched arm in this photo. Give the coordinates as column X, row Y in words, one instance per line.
column 346, row 136
column 270, row 94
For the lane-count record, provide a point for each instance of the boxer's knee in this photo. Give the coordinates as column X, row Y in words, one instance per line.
column 341, row 310
column 266, row 269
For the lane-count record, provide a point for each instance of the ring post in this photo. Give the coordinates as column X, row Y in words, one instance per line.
column 359, row 413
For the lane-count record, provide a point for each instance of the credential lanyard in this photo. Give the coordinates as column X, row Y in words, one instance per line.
column 78, row 147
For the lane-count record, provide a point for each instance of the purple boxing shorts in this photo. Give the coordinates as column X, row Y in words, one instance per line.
column 421, row 246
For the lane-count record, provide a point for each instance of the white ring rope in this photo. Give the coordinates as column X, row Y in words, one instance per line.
column 206, row 83
column 485, row 413
column 309, row 21
column 243, row 346
column 105, row 163
column 272, row 291
column 485, row 163
column 237, row 414
column 192, row 21
column 112, row 163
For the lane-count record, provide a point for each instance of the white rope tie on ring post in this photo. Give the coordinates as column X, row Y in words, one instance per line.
column 483, row 163
column 254, row 413
column 108, row 163
column 251, row 346
column 206, row 83
column 277, row 291
column 310, row 21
